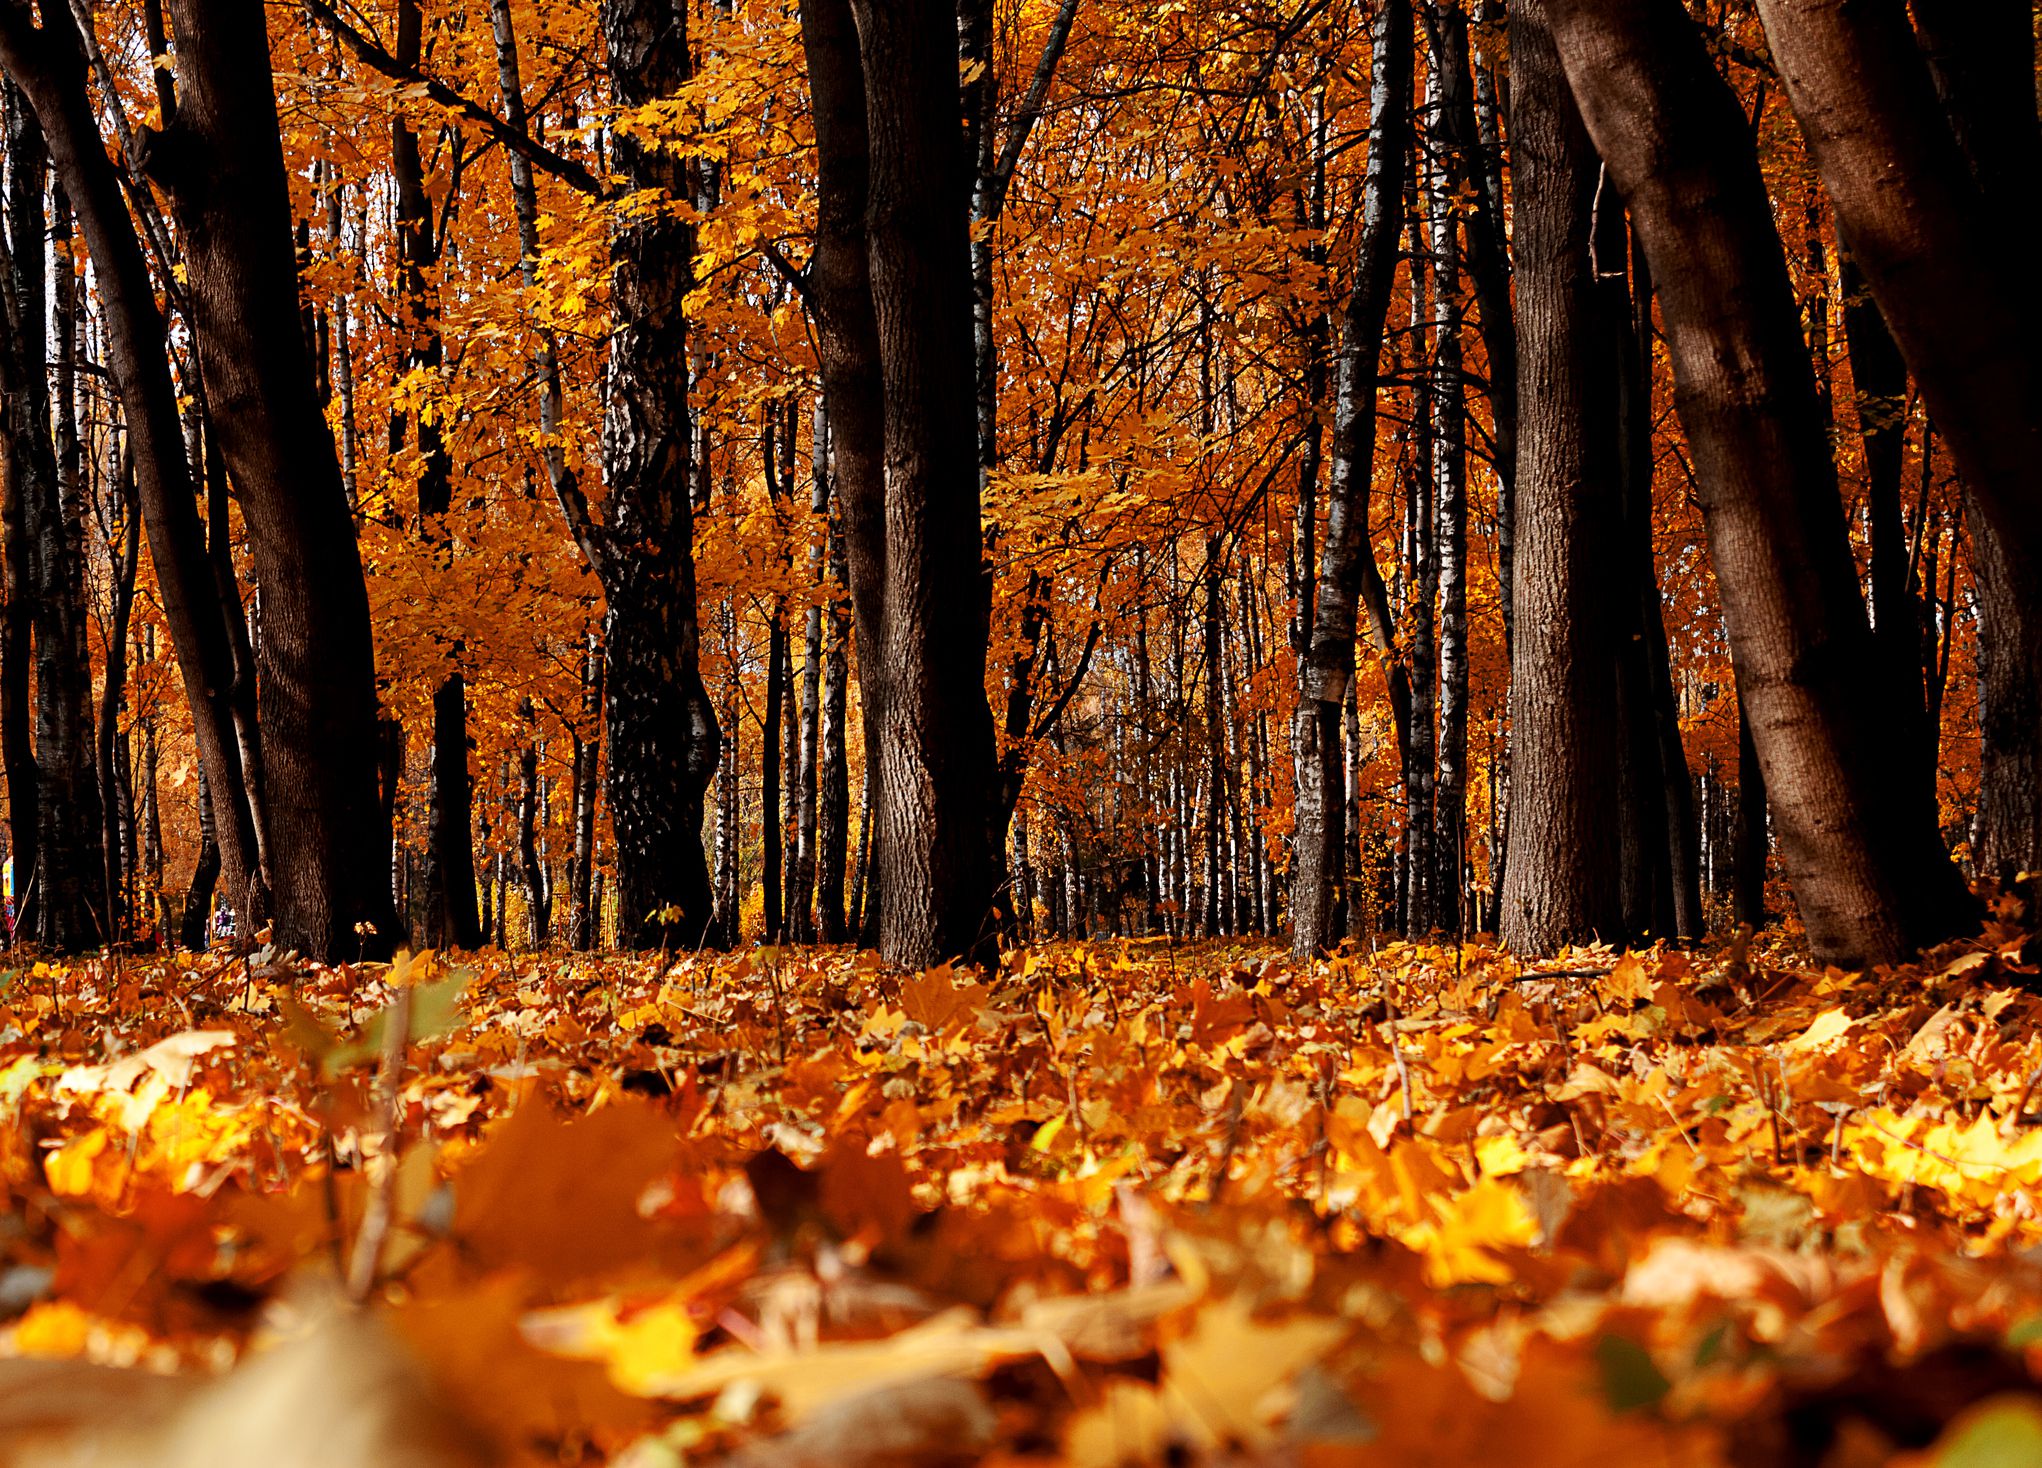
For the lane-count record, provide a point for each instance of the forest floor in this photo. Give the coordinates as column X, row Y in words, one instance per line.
column 1113, row 1203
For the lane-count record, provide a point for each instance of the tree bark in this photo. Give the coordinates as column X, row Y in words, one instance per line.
column 937, row 871
column 25, row 458
column 222, row 161
column 1564, row 880
column 451, row 919
column 1319, row 879
column 661, row 727
column 1870, row 876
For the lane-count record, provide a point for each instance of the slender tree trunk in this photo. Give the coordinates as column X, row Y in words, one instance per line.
column 196, row 918
column 1450, row 504
column 772, row 830
column 833, row 817
column 847, row 337
column 1319, row 881
column 1869, row 873
column 1564, row 880
column 113, row 694
column 582, row 922
column 1750, row 841
column 450, row 916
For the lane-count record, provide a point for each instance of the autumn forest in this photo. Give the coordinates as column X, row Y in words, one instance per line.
column 1284, row 730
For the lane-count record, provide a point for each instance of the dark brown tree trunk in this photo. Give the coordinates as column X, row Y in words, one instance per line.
column 1319, row 879
column 1869, row 873
column 450, row 916
column 196, row 917
column 847, row 338
column 808, row 787
column 1918, row 221
column 937, row 871
column 772, row 832
column 1564, row 880
column 833, row 817
column 659, row 723
column 1982, row 58
column 112, row 695
column 49, row 64
column 581, row 916
column 222, row 162
column 25, row 458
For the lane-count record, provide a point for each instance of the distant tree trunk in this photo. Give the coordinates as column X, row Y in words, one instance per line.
column 112, row 695
column 582, row 922
column 1869, row 873
column 196, row 918
column 450, row 916
column 938, row 873
column 659, row 723
column 1319, row 880
column 1751, row 842
column 1450, row 504
column 729, row 799
column 772, row 832
column 222, row 161
column 538, row 892
column 1564, row 879
column 833, row 818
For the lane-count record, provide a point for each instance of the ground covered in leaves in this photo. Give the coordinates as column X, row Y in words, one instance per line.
column 1113, row 1203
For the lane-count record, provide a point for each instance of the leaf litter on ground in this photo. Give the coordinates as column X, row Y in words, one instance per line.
column 1105, row 1203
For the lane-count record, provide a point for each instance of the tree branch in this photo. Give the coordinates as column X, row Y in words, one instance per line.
column 379, row 60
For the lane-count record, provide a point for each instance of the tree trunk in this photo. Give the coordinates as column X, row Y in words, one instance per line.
column 450, row 916
column 1919, row 222
column 1564, row 881
column 25, row 459
column 937, row 872
column 50, row 66
column 222, row 162
column 847, row 341
column 196, row 919
column 1319, row 880
column 1982, row 59
column 1870, row 875
column 833, row 818
column 582, row 924
column 660, row 725
column 772, row 832
column 112, row 695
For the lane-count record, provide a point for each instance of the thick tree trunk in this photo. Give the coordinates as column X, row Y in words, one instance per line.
column 660, row 725
column 1919, row 224
column 1982, row 57
column 222, row 161
column 938, row 873
column 1564, row 882
column 1869, row 873
column 25, row 459
column 1319, row 879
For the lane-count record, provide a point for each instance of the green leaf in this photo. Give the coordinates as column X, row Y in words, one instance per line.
column 1631, row 1380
